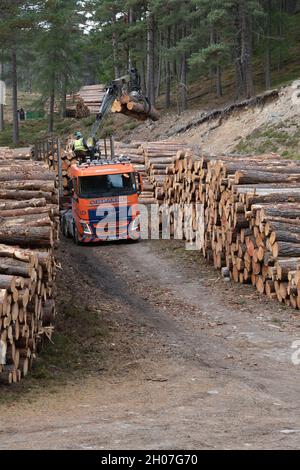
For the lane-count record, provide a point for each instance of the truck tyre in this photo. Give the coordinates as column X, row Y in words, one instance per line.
column 64, row 228
column 75, row 235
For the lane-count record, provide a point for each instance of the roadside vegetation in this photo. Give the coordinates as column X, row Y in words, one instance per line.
column 282, row 138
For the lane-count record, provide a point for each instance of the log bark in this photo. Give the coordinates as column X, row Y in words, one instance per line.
column 284, row 266
column 256, row 177
column 34, row 220
column 29, row 237
column 7, row 282
column 7, row 205
column 285, row 249
column 273, row 226
column 13, row 267
column 22, row 195
column 13, row 173
column 24, row 185
column 284, row 236
column 145, row 109
column 27, row 211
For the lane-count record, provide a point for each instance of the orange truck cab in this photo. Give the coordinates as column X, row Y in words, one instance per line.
column 104, row 205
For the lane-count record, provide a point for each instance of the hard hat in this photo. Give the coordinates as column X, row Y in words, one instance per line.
column 78, row 134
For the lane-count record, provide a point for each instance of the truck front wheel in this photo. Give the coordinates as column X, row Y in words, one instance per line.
column 64, row 228
column 75, row 235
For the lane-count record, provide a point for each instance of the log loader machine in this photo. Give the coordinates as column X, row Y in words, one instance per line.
column 104, row 191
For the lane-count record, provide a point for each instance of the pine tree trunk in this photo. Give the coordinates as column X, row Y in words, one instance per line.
column 216, row 70
column 183, row 84
column 290, row 6
column 239, row 81
column 52, row 105
column 219, row 88
column 151, row 58
column 268, row 81
column 63, row 104
column 280, row 35
column 168, row 72
column 143, row 78
column 15, row 97
column 267, row 64
column 115, row 52
column 237, row 56
column 130, row 22
column 175, row 67
column 2, row 126
column 159, row 73
column 246, row 48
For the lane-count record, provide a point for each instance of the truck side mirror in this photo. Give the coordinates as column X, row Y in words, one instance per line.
column 70, row 186
column 137, row 183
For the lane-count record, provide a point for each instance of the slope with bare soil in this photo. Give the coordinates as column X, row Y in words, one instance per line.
column 271, row 127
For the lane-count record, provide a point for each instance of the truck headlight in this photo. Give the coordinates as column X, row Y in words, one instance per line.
column 135, row 225
column 86, row 228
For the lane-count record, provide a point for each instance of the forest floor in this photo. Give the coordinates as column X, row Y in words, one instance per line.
column 154, row 350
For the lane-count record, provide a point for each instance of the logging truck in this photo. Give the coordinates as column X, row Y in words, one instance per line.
column 104, row 192
column 104, row 202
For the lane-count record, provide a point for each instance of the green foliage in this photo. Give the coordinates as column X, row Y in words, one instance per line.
column 283, row 138
column 58, row 46
column 130, row 126
column 213, row 54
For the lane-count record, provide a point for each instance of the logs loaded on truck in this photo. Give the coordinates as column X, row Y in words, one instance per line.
column 29, row 224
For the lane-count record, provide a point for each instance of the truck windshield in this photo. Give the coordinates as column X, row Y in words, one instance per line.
column 107, row 185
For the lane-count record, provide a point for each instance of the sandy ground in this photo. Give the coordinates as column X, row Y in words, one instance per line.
column 222, row 136
column 190, row 360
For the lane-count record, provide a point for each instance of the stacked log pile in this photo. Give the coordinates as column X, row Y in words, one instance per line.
column 87, row 101
column 134, row 151
column 180, row 189
column 28, row 232
column 151, row 160
column 159, row 156
column 251, row 222
column 16, row 154
column 82, row 110
column 135, row 107
column 67, row 158
column 25, row 153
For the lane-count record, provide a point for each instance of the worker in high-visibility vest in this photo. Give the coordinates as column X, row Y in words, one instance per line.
column 92, row 145
column 80, row 147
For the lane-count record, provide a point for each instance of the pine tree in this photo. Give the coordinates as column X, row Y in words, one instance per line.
column 58, row 52
column 16, row 19
column 110, row 18
column 215, row 36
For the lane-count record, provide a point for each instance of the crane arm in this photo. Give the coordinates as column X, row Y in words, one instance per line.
column 108, row 100
column 129, row 83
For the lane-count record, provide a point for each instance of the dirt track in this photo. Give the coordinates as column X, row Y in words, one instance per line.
column 187, row 360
